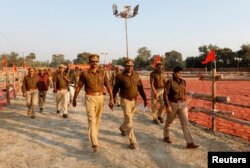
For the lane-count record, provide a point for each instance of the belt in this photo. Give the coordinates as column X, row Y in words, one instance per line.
column 177, row 101
column 94, row 93
column 31, row 89
column 62, row 89
column 130, row 99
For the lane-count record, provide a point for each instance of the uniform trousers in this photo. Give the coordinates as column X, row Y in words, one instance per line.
column 94, row 108
column 61, row 100
column 32, row 100
column 129, row 108
column 42, row 98
column 154, row 101
column 181, row 109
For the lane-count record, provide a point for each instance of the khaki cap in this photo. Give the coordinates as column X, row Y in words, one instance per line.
column 159, row 63
column 129, row 62
column 94, row 57
column 41, row 69
column 62, row 66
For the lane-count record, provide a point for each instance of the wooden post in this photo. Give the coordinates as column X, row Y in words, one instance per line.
column 214, row 99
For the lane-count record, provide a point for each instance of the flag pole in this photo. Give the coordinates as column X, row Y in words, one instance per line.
column 214, row 96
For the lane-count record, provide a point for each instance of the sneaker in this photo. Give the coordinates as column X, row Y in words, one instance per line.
column 167, row 140
column 65, row 116
column 161, row 120
column 95, row 148
column 132, row 146
column 156, row 121
column 192, row 146
column 58, row 111
column 123, row 133
column 33, row 116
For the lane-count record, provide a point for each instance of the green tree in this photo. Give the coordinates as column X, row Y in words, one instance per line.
column 142, row 59
column 57, row 59
column 82, row 58
column 173, row 59
column 244, row 53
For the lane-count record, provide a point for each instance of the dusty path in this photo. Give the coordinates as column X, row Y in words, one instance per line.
column 49, row 141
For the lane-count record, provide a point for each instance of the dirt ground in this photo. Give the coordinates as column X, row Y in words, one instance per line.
column 50, row 141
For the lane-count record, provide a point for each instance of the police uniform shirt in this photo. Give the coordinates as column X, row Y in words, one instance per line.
column 129, row 86
column 30, row 83
column 94, row 81
column 61, row 81
column 174, row 90
column 157, row 79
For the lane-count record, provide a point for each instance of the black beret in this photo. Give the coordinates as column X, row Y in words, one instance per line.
column 177, row 69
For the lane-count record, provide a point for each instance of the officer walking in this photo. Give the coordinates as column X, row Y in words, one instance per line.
column 174, row 97
column 43, row 86
column 30, row 92
column 93, row 81
column 157, row 82
column 61, row 82
column 129, row 83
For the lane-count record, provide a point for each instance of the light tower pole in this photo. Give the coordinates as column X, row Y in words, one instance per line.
column 126, row 13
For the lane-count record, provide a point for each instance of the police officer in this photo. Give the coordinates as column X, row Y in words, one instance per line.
column 61, row 82
column 112, row 79
column 30, row 92
column 93, row 81
column 157, row 81
column 43, row 86
column 174, row 97
column 129, row 83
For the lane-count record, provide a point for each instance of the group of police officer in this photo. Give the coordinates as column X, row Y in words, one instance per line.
column 67, row 84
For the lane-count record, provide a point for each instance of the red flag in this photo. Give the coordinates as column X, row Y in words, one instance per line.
column 4, row 61
column 210, row 57
column 108, row 67
column 157, row 59
column 14, row 68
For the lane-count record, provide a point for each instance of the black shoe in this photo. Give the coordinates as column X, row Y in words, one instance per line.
column 132, row 146
column 161, row 120
column 58, row 111
column 155, row 121
column 65, row 116
column 33, row 116
column 167, row 140
column 192, row 146
column 123, row 133
column 41, row 110
column 95, row 148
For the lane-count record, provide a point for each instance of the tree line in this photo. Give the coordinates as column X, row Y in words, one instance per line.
column 225, row 58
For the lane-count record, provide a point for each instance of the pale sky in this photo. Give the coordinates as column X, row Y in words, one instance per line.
column 69, row 27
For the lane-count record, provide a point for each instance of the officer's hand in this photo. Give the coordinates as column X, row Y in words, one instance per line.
column 54, row 91
column 155, row 95
column 24, row 95
column 111, row 104
column 74, row 102
column 145, row 103
column 169, row 110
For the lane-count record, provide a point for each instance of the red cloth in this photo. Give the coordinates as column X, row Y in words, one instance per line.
column 43, row 80
column 4, row 61
column 14, row 68
column 157, row 59
column 210, row 57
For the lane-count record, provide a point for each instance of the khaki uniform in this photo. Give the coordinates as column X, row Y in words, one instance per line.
column 129, row 87
column 61, row 82
column 174, row 93
column 94, row 87
column 157, row 79
column 29, row 88
column 112, row 80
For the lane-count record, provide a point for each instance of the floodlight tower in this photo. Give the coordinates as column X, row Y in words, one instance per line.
column 126, row 13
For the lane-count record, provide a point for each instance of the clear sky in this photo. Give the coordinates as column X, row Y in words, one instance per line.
column 69, row 27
